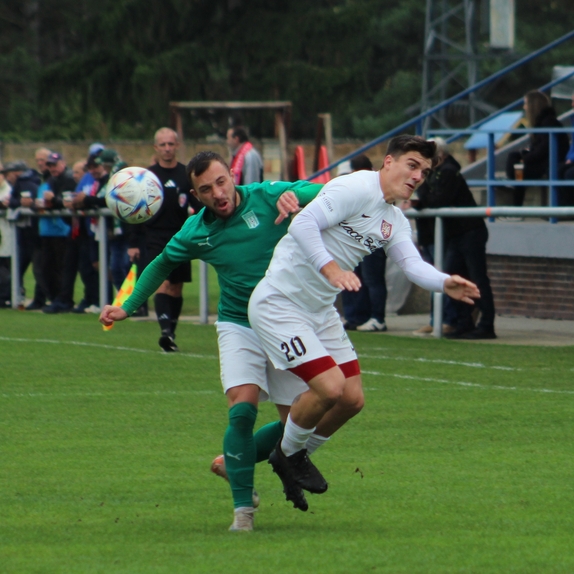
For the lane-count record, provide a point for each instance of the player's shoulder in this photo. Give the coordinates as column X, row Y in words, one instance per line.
column 362, row 181
column 264, row 191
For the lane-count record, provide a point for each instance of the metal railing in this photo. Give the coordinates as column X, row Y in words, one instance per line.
column 13, row 216
column 491, row 212
column 418, row 121
column 492, row 182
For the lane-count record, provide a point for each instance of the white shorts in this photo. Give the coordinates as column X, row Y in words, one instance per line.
column 243, row 361
column 291, row 335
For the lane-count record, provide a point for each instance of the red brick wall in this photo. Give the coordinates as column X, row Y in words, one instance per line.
column 532, row 286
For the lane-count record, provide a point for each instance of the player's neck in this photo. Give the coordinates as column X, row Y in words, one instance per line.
column 387, row 194
column 168, row 164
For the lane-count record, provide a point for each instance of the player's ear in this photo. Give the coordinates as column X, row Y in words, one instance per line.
column 387, row 162
column 232, row 174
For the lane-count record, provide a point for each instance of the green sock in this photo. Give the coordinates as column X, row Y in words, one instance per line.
column 266, row 438
column 240, row 452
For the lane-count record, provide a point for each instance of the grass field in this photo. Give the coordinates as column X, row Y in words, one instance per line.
column 462, row 460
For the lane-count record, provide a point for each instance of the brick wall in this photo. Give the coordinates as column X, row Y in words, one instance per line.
column 532, row 286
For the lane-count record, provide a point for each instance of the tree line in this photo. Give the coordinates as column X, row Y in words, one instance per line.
column 101, row 69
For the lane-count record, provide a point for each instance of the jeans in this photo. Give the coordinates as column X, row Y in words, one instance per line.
column 371, row 299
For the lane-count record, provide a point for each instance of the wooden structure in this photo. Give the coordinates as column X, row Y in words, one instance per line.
column 282, row 118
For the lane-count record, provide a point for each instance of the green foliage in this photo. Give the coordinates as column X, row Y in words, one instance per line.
column 99, row 68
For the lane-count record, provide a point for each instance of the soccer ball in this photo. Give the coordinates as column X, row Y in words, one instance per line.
column 134, row 194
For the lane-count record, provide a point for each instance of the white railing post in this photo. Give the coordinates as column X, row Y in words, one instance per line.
column 439, row 264
column 103, row 263
column 15, row 260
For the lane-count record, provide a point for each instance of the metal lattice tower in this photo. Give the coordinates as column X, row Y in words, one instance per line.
column 450, row 58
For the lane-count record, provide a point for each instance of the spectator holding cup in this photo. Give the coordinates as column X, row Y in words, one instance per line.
column 535, row 158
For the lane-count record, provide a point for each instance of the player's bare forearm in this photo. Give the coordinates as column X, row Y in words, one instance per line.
column 345, row 280
column 287, row 204
column 461, row 289
column 110, row 314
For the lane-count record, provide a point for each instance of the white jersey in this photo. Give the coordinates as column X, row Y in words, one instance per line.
column 359, row 222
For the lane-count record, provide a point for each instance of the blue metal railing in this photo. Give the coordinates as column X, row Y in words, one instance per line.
column 491, row 182
column 511, row 106
column 418, row 120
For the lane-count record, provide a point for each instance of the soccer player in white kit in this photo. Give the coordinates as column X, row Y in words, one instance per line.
column 292, row 310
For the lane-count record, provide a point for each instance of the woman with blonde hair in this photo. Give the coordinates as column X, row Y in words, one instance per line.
column 535, row 158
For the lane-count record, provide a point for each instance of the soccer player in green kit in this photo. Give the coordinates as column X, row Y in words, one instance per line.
column 236, row 233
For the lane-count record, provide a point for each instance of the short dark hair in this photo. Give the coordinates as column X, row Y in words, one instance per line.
column 240, row 133
column 360, row 162
column 404, row 143
column 201, row 161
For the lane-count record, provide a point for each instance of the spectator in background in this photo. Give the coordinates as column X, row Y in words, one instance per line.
column 5, row 243
column 246, row 163
column 148, row 239
column 55, row 235
column 364, row 310
column 539, row 114
column 25, row 184
column 99, row 166
column 79, row 254
column 465, row 239
column 119, row 230
column 566, row 171
column 41, row 155
column 79, row 170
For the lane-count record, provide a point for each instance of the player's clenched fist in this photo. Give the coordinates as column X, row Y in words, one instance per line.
column 345, row 280
column 110, row 314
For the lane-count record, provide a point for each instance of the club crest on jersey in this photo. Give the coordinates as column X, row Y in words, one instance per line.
column 182, row 200
column 251, row 219
column 386, row 229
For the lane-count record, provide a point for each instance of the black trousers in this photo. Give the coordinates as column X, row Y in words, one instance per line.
column 466, row 256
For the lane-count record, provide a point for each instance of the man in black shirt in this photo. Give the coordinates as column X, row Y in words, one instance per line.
column 55, row 238
column 465, row 239
column 148, row 239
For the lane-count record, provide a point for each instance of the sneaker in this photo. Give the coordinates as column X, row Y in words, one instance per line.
column 297, row 469
column 429, row 329
column 218, row 468
column 424, row 330
column 167, row 343
column 479, row 333
column 34, row 306
column 92, row 309
column 349, row 326
column 242, row 520
column 372, row 325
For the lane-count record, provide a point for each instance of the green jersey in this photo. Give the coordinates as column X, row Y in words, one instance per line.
column 239, row 248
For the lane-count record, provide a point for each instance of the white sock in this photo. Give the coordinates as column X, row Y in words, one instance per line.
column 315, row 441
column 294, row 437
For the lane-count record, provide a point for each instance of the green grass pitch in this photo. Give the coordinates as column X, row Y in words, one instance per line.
column 461, row 462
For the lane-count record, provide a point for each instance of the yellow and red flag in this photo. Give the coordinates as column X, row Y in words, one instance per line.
column 125, row 291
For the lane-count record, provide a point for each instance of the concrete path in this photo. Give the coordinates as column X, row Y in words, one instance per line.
column 510, row 330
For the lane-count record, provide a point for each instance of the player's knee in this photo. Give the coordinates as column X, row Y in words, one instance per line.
column 332, row 390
